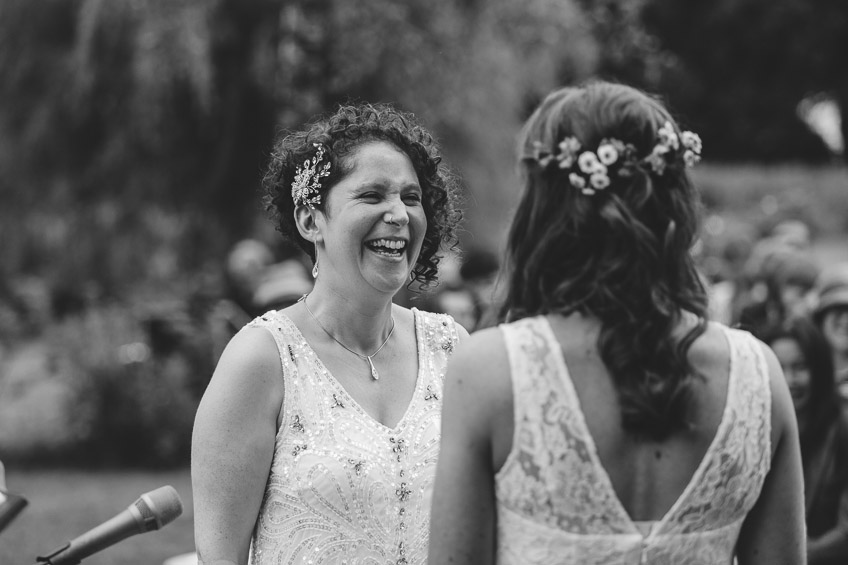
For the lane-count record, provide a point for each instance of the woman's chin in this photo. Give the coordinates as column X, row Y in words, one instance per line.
column 387, row 273
column 390, row 283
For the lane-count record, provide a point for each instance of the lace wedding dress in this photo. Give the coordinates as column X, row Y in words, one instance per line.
column 343, row 488
column 556, row 503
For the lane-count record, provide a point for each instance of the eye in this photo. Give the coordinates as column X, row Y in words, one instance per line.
column 371, row 196
column 412, row 197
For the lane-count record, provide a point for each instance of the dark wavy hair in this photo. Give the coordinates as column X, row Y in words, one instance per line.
column 341, row 134
column 823, row 408
column 621, row 255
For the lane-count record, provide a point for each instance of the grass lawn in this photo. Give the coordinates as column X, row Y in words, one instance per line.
column 65, row 504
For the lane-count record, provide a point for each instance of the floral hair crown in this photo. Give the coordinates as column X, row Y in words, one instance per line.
column 589, row 171
column 307, row 179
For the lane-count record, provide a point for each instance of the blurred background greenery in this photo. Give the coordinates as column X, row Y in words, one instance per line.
column 133, row 134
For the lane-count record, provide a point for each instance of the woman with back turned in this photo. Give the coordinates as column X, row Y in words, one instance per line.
column 608, row 421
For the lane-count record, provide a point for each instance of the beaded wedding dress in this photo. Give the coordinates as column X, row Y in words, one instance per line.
column 343, row 488
column 556, row 503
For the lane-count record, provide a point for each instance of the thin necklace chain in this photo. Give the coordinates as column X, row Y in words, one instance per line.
column 374, row 374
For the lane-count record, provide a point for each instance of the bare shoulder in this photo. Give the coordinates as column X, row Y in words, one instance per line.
column 252, row 349
column 481, row 360
column 782, row 409
column 248, row 371
column 711, row 347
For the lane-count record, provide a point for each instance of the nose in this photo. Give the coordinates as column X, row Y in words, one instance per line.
column 396, row 214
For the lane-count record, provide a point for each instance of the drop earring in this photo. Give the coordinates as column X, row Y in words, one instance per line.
column 315, row 266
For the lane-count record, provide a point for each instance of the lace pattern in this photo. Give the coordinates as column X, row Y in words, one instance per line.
column 556, row 503
column 343, row 488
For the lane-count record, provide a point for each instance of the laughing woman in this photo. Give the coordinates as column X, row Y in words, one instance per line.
column 316, row 440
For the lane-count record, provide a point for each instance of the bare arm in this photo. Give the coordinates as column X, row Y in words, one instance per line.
column 774, row 531
column 232, row 446
column 463, row 517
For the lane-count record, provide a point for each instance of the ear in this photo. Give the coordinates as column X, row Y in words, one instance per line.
column 309, row 221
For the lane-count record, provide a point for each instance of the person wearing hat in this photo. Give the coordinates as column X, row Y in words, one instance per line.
column 831, row 315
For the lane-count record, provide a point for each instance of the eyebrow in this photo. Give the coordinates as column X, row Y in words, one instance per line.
column 383, row 186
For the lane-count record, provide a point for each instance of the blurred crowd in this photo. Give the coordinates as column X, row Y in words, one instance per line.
column 764, row 284
column 776, row 288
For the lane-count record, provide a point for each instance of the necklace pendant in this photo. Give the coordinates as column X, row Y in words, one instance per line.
column 374, row 374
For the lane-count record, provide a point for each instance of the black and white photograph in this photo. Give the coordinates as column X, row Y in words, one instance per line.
column 408, row 282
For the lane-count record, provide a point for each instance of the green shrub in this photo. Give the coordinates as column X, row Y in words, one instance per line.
column 111, row 398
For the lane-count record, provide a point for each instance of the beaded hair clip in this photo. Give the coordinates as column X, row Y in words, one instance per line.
column 307, row 179
column 589, row 171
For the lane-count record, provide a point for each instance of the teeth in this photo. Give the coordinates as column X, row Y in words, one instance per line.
column 388, row 243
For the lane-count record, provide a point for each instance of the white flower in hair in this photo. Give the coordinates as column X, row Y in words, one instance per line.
column 607, row 154
column 668, row 136
column 660, row 149
column 542, row 154
column 656, row 160
column 577, row 181
column 587, row 162
column 568, row 149
column 690, row 158
column 592, row 171
column 691, row 140
column 599, row 181
column 569, row 145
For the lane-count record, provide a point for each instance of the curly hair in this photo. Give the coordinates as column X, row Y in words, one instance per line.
column 621, row 255
column 341, row 134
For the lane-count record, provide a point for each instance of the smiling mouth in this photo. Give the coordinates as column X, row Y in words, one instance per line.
column 387, row 247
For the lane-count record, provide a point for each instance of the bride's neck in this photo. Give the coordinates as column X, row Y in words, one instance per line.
column 356, row 321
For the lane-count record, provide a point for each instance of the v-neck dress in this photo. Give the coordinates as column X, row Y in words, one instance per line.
column 555, row 501
column 343, row 488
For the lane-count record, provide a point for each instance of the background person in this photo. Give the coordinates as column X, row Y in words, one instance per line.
column 641, row 433
column 831, row 315
column 317, row 437
column 804, row 356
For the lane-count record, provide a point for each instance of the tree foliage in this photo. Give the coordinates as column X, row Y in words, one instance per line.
column 739, row 68
column 133, row 133
column 125, row 109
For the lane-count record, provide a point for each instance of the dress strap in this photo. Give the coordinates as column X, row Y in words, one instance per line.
column 280, row 328
column 752, row 382
column 289, row 347
column 437, row 338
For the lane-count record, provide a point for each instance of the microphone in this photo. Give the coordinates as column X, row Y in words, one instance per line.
column 150, row 512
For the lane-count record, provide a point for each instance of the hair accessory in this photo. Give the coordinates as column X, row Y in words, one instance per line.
column 307, row 179
column 589, row 171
